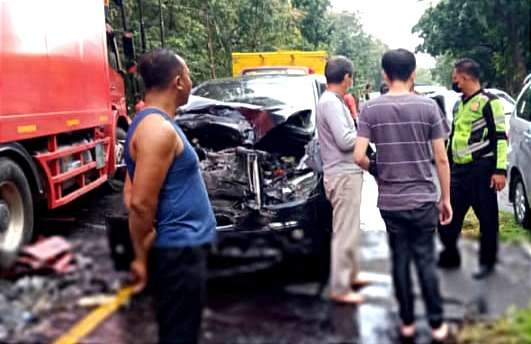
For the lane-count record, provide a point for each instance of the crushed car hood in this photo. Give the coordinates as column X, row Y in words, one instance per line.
column 220, row 125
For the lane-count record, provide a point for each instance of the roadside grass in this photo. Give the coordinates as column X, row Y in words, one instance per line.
column 513, row 327
column 510, row 230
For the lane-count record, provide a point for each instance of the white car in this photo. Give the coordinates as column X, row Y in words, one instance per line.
column 451, row 98
column 508, row 104
column 519, row 170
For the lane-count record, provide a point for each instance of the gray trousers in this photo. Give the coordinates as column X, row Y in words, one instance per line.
column 344, row 193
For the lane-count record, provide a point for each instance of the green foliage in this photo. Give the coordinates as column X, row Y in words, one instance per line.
column 513, row 327
column 315, row 25
column 442, row 73
column 493, row 32
column 424, row 76
column 510, row 230
column 206, row 32
column 348, row 39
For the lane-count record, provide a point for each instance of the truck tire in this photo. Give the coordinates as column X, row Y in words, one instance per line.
column 16, row 211
column 117, row 179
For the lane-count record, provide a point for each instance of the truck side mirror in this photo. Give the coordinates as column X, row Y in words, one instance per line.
column 129, row 45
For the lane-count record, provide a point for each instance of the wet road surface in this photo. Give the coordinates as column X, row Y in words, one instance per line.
column 266, row 306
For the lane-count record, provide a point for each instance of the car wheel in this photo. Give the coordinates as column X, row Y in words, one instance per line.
column 16, row 211
column 522, row 213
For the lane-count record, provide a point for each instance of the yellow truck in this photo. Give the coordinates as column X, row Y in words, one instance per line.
column 287, row 62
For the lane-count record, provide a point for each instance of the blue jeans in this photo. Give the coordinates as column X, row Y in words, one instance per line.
column 411, row 238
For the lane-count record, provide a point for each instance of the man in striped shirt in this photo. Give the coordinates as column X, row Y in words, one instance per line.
column 409, row 132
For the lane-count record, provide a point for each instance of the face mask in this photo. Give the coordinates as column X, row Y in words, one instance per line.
column 456, row 87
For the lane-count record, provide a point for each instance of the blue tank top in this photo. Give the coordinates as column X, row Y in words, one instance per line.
column 184, row 214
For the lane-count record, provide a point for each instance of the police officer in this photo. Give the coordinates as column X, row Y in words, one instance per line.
column 477, row 150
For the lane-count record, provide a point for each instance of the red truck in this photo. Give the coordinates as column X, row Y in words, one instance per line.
column 63, row 112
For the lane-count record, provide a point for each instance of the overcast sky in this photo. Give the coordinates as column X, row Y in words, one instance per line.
column 390, row 21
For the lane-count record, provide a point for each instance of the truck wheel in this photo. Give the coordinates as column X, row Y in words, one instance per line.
column 522, row 213
column 16, row 211
column 117, row 179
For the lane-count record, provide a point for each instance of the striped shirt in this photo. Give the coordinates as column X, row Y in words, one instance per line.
column 402, row 128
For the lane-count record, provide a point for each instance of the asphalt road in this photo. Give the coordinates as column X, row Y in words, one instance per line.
column 265, row 306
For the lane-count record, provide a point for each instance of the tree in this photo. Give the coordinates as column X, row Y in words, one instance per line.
column 207, row 32
column 493, row 32
column 315, row 25
column 349, row 39
column 442, row 73
column 424, row 76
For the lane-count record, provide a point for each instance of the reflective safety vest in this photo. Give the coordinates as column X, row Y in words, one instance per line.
column 478, row 131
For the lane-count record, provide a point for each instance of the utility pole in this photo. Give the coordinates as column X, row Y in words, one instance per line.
column 161, row 24
column 122, row 12
column 142, row 28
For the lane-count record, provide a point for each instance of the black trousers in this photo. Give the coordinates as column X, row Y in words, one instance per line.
column 178, row 280
column 411, row 236
column 470, row 187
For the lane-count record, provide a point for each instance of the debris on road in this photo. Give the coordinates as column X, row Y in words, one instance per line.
column 50, row 254
column 94, row 300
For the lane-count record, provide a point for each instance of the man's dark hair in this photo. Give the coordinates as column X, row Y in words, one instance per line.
column 158, row 67
column 336, row 68
column 399, row 64
column 469, row 67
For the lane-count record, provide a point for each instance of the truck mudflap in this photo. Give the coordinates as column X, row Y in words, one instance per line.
column 83, row 164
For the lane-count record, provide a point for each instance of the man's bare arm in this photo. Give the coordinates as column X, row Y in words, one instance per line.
column 148, row 240
column 127, row 192
column 443, row 171
column 360, row 156
column 155, row 148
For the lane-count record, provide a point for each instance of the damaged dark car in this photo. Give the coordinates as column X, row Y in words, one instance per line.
column 250, row 135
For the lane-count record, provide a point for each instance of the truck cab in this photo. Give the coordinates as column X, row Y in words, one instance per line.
column 63, row 105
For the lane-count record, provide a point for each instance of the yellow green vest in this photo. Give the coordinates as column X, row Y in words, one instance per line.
column 478, row 131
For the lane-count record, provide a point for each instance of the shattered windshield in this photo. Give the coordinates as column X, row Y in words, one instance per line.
column 266, row 91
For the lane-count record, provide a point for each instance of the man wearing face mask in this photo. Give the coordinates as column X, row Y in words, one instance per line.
column 477, row 150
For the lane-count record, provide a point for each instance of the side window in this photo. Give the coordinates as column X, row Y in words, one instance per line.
column 523, row 107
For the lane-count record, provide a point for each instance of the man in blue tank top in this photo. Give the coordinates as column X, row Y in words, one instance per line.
column 170, row 215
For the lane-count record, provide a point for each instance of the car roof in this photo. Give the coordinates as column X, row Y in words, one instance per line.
column 498, row 92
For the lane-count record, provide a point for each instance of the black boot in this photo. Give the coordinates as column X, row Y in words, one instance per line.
column 483, row 272
column 449, row 259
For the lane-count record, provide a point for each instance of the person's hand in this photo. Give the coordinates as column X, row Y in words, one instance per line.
column 497, row 182
column 445, row 212
column 139, row 275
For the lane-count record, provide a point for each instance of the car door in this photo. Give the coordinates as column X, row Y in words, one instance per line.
column 520, row 136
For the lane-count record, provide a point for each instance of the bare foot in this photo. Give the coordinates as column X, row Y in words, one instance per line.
column 407, row 331
column 441, row 333
column 350, row 298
